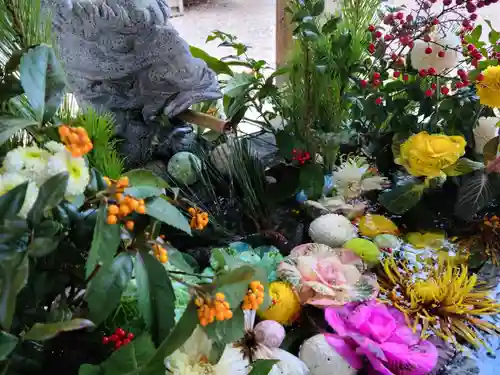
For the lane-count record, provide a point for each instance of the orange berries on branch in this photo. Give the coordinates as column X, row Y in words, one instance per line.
column 122, row 206
column 211, row 309
column 254, row 297
column 199, row 219
column 160, row 253
column 77, row 140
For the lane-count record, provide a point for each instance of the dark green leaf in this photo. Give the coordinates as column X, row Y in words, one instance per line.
column 87, row 369
column 155, row 296
column 262, row 366
column 476, row 190
column 9, row 126
column 143, row 192
column 463, row 166
column 43, row 80
column 493, row 36
column 42, row 332
column 178, row 336
column 177, row 259
column 401, row 198
column 318, row 8
column 8, row 343
column 331, row 25
column 227, row 331
column 490, row 150
column 476, row 33
column 50, row 195
column 107, row 286
column 145, row 177
column 311, row 180
column 238, row 84
column 105, row 242
column 131, row 357
column 14, row 237
column 12, row 201
column 164, row 211
column 234, row 284
column 218, row 66
column 42, row 246
column 13, row 278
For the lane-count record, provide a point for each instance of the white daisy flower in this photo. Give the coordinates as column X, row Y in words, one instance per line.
column 79, row 175
column 9, row 181
column 54, row 147
column 445, row 53
column 485, row 130
column 29, row 161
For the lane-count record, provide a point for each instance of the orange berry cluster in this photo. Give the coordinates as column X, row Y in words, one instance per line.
column 77, row 140
column 493, row 221
column 254, row 297
column 124, row 205
column 160, row 253
column 199, row 219
column 210, row 310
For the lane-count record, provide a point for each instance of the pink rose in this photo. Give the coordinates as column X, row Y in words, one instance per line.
column 379, row 333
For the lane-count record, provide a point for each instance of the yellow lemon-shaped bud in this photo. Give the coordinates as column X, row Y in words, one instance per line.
column 432, row 240
column 363, row 248
column 373, row 225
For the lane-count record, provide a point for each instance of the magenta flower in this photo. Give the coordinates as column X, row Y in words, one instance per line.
column 379, row 333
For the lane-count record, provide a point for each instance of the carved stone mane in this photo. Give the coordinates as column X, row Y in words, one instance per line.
column 126, row 57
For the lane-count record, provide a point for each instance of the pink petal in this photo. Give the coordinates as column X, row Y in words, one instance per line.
column 335, row 321
column 345, row 351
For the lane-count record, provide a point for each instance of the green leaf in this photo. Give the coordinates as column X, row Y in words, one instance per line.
column 13, row 278
column 105, row 242
column 145, row 177
column 162, row 210
column 491, row 149
column 12, row 201
column 493, row 36
column 14, row 236
column 8, row 343
column 107, row 286
column 42, row 246
column 9, row 126
column 238, row 84
column 476, row 191
column 311, row 180
column 318, row 8
column 143, row 192
column 463, row 166
column 46, row 331
column 131, row 357
column 218, row 66
column 401, row 198
column 331, row 25
column 177, row 259
column 178, row 336
column 51, row 193
column 262, row 366
column 87, row 369
column 43, row 81
column 234, row 284
column 227, row 331
column 155, row 296
column 476, row 33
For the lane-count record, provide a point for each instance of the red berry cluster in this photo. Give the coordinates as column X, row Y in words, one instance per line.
column 119, row 338
column 300, row 156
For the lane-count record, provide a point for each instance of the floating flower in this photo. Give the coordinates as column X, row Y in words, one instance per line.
column 285, row 305
column 379, row 334
column 443, row 299
column 325, row 277
column 445, row 53
column 332, row 230
column 485, row 130
column 373, row 225
column 28, row 161
column 427, row 155
column 9, row 181
column 488, row 89
column 355, row 177
column 79, row 176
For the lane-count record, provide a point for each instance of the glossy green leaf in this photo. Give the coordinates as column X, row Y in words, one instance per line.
column 12, row 201
column 155, row 296
column 166, row 212
column 238, row 84
column 263, row 366
column 318, row 8
column 107, row 286
column 227, row 331
column 330, row 25
column 42, row 246
column 218, row 66
column 131, row 357
column 9, row 126
column 177, row 259
column 8, row 343
column 476, row 190
column 463, row 166
column 145, row 177
column 87, row 369
column 234, row 284
column 105, row 242
column 13, row 278
column 51, row 193
column 401, row 198
column 43, row 80
column 46, row 331
column 311, row 180
column 143, row 192
column 14, row 237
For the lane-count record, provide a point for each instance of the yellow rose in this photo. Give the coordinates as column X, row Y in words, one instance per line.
column 427, row 155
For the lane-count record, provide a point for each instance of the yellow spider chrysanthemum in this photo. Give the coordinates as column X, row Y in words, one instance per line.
column 488, row 89
column 444, row 299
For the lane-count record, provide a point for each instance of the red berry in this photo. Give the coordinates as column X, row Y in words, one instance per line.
column 362, row 83
column 376, row 83
column 396, row 74
column 379, row 100
column 474, row 63
column 461, row 72
column 427, row 38
column 473, row 16
column 466, row 23
column 480, row 77
column 426, row 5
column 422, row 73
column 394, row 57
column 429, row 92
column 471, row 8
column 465, row 83
column 126, row 341
column 388, row 37
column 405, row 77
column 431, row 71
column 113, row 338
column 441, row 53
column 105, row 340
column 118, row 344
column 471, row 47
column 460, row 2
column 404, row 40
column 447, row 2
column 435, row 21
column 400, row 15
column 409, row 18
column 459, row 85
column 411, row 44
column 480, row 4
column 378, row 34
column 130, row 336
column 376, row 75
column 433, row 86
column 371, row 28
column 120, row 332
column 445, row 90
column 388, row 19
column 371, row 48
column 428, row 50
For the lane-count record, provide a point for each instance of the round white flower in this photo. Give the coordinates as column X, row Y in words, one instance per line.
column 79, row 176
column 448, row 43
column 29, row 161
column 350, row 179
column 332, row 230
column 485, row 130
column 54, row 147
column 9, row 181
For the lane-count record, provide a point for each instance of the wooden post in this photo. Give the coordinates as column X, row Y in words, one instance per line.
column 284, row 38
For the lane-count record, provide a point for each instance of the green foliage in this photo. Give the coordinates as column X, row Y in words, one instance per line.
column 401, row 198
column 41, row 332
column 161, row 209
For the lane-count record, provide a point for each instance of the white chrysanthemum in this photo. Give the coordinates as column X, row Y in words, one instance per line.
column 332, row 230
column 350, row 179
column 54, row 147
column 485, row 130
column 9, row 181
column 449, row 43
column 79, row 176
column 27, row 161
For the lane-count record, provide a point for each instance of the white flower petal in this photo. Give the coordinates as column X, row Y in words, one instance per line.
column 485, row 130
column 447, row 43
column 79, row 175
column 9, row 181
